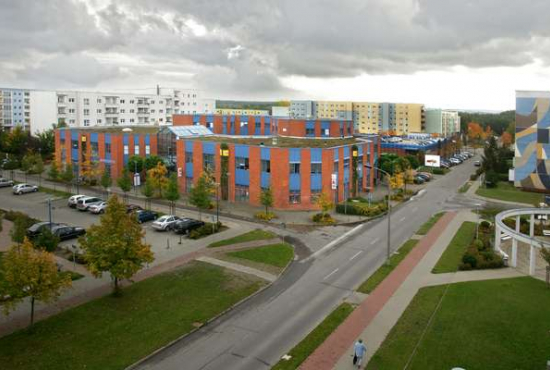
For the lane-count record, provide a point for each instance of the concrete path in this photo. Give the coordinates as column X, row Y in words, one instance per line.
column 234, row 266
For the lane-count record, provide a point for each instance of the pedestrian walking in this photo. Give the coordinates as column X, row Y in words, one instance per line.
column 359, row 351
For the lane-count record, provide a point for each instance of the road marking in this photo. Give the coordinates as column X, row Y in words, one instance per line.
column 355, row 255
column 329, row 275
column 333, row 243
column 375, row 241
column 402, row 219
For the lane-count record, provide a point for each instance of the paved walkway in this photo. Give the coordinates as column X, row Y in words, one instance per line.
column 88, row 289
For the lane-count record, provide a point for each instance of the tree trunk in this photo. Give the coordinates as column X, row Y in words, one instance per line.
column 32, row 311
column 116, row 288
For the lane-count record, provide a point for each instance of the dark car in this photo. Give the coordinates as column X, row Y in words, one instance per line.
column 419, row 180
column 64, row 232
column 38, row 228
column 132, row 208
column 424, row 176
column 185, row 225
column 144, row 215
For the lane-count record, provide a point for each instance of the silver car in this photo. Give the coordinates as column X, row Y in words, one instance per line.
column 4, row 183
column 165, row 222
column 97, row 208
column 24, row 188
column 74, row 199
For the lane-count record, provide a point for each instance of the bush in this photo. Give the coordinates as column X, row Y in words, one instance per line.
column 265, row 216
column 469, row 259
column 491, row 179
column 207, row 229
column 438, row 171
column 21, row 222
column 473, row 177
column 478, row 244
column 323, row 218
column 46, row 240
column 361, row 209
column 485, row 224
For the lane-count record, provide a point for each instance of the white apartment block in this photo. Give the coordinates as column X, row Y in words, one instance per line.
column 37, row 110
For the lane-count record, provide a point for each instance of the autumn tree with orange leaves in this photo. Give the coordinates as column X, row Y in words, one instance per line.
column 506, row 139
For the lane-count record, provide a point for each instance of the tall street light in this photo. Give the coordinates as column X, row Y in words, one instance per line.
column 389, row 209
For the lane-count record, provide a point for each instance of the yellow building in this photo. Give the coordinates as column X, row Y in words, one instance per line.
column 242, row 112
column 367, row 117
column 388, row 118
column 333, row 110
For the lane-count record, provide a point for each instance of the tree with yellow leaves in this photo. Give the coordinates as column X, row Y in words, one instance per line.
column 116, row 245
column 90, row 171
column 397, row 180
column 157, row 176
column 29, row 272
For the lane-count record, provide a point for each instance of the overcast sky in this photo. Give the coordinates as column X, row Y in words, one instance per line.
column 443, row 53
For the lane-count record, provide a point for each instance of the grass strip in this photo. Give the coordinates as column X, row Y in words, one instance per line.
column 424, row 229
column 507, row 192
column 314, row 339
column 278, row 255
column 452, row 256
column 383, row 271
column 472, row 328
column 56, row 193
column 246, row 237
column 150, row 314
column 464, row 188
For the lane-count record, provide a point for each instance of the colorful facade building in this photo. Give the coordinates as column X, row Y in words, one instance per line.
column 532, row 147
column 297, row 159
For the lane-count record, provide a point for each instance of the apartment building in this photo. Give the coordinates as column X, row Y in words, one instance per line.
column 442, row 123
column 333, row 110
column 241, row 112
column 302, row 109
column 37, row 110
column 388, row 118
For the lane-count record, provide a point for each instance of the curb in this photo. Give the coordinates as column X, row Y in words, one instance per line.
column 209, row 321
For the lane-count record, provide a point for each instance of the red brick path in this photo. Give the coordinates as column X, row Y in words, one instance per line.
column 335, row 346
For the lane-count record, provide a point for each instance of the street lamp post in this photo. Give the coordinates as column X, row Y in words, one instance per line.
column 477, row 220
column 389, row 210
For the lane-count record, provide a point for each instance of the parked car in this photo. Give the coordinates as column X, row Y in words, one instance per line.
column 165, row 222
column 5, row 183
column 65, row 232
column 74, row 199
column 144, row 215
column 455, row 160
column 132, row 208
column 429, row 175
column 477, row 163
column 24, row 188
column 185, row 225
column 444, row 165
column 83, row 203
column 423, row 176
column 419, row 180
column 97, row 208
column 39, row 227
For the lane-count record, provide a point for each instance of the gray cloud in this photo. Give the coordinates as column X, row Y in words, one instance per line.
column 250, row 44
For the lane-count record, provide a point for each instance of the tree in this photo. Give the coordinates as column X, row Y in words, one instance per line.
column 17, row 142
column 325, row 203
column 28, row 272
column 90, row 172
column 490, row 160
column 124, row 182
column 135, row 164
column 545, row 254
column 148, row 191
column 475, row 133
column 199, row 196
column 266, row 199
column 27, row 164
column 413, row 161
column 53, row 172
column 152, row 161
column 106, row 181
column 506, row 139
column 157, row 175
column 67, row 176
column 46, row 240
column 39, row 168
column 21, row 223
column 46, row 142
column 172, row 192
column 116, row 245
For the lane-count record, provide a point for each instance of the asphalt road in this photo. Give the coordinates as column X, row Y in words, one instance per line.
column 255, row 335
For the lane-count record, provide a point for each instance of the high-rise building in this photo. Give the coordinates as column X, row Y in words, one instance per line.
column 37, row 110
column 333, row 110
column 441, row 122
column 388, row 118
column 301, row 109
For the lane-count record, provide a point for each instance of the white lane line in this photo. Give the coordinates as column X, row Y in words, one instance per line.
column 375, row 241
column 329, row 275
column 355, row 255
column 402, row 219
column 333, row 243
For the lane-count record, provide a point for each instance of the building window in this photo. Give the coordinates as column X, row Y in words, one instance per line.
column 208, row 162
column 71, row 100
column 241, row 163
column 266, row 165
column 346, row 163
column 335, row 168
column 316, row 167
column 126, row 150
column 310, row 132
column 86, row 112
column 294, row 197
column 86, row 122
column 147, row 150
column 188, row 184
column 86, row 101
column 107, row 148
column 74, row 144
column 188, row 157
column 122, row 101
column 295, row 168
column 136, row 149
column 99, row 101
column 99, row 111
column 95, row 150
column 315, row 194
column 242, row 193
column 132, row 101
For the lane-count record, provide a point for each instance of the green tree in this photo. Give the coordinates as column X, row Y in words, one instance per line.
column 148, row 191
column 135, row 164
column 17, row 142
column 106, row 181
column 413, row 161
column 116, row 245
column 67, row 176
column 124, row 182
column 46, row 240
column 21, row 223
column 46, row 142
column 490, row 160
column 266, row 198
column 53, row 172
column 28, row 272
column 200, row 194
column 172, row 192
column 39, row 168
column 152, row 161
column 27, row 164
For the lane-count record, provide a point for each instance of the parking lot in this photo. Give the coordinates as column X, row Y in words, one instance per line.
column 165, row 245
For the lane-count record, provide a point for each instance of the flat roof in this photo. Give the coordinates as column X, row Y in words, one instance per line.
column 117, row 129
column 282, row 141
column 532, row 94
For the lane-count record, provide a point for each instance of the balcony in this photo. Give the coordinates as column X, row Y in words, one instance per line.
column 111, row 112
column 142, row 112
column 142, row 102
column 111, row 102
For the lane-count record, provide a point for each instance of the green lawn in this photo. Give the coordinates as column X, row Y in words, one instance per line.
column 315, row 338
column 428, row 224
column 246, row 237
column 492, row 324
column 464, row 188
column 452, row 257
column 507, row 191
column 112, row 333
column 278, row 255
column 383, row 271
column 57, row 193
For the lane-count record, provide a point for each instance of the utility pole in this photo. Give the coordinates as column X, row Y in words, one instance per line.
column 50, row 212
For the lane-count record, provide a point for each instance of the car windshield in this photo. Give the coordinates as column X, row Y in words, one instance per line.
column 37, row 226
column 163, row 219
